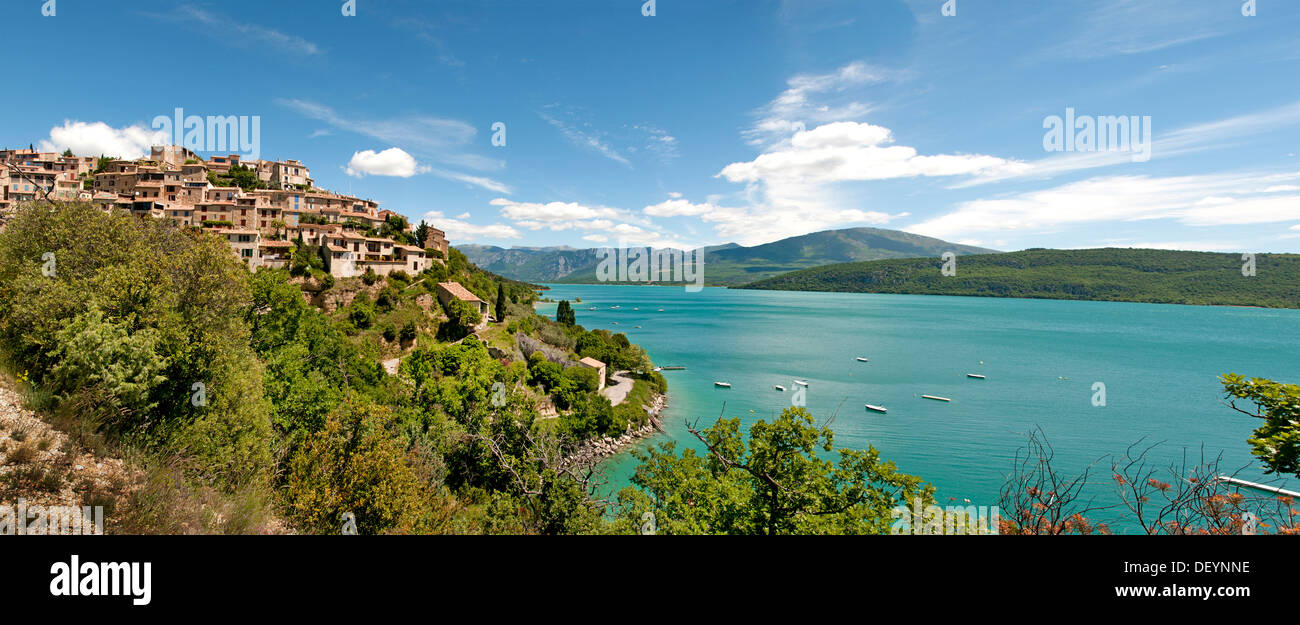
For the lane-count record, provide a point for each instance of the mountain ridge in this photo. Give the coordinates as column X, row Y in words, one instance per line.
column 728, row 264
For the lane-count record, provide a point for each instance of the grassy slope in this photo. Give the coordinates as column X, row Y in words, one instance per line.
column 1108, row 274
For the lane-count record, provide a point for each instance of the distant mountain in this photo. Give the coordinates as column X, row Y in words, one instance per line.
column 1108, row 274
column 729, row 264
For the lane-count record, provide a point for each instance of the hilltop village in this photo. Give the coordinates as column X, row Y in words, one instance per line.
column 260, row 207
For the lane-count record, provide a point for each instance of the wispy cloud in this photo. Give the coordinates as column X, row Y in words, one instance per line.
column 1201, row 200
column 236, row 32
column 811, row 99
column 444, row 141
column 1124, row 27
column 1186, row 140
column 585, row 137
column 428, row 32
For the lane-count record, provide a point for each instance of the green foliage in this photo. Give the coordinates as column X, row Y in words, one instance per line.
column 370, row 277
column 776, row 482
column 361, row 312
column 243, row 177
column 136, row 314
column 355, row 465
column 1111, row 274
column 501, row 302
column 1277, row 441
column 94, row 352
column 564, row 314
column 462, row 317
column 543, row 372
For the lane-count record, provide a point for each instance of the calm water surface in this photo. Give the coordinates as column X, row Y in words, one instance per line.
column 1159, row 364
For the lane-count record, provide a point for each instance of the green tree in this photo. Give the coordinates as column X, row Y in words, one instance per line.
column 462, row 317
column 774, row 483
column 354, row 465
column 501, row 302
column 564, row 313
column 1277, row 441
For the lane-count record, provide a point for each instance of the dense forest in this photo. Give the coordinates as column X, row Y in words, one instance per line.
column 1109, row 274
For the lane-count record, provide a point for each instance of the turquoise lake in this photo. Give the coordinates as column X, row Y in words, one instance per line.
column 1159, row 363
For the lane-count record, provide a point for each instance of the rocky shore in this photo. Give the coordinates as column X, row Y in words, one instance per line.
column 596, row 450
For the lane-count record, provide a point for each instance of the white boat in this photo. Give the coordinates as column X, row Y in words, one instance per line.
column 975, row 375
column 935, row 398
column 779, row 388
column 801, row 382
column 861, row 359
column 661, row 310
column 722, row 384
column 877, row 408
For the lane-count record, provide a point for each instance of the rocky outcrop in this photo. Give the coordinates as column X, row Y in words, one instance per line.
column 528, row 345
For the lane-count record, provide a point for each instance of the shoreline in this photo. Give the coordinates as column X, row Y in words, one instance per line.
column 594, row 451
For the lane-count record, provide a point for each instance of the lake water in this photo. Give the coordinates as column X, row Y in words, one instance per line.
column 1159, row 364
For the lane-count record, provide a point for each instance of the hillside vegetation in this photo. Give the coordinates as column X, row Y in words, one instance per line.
column 1108, row 274
column 246, row 409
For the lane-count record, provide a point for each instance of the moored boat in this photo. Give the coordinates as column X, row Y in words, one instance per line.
column 877, row 408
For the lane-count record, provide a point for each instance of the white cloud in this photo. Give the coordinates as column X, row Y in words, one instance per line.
column 439, row 139
column 851, row 151
column 793, row 187
column 1208, row 200
column 601, row 223
column 556, row 215
column 815, row 98
column 462, row 231
column 96, row 138
column 390, row 162
column 678, row 208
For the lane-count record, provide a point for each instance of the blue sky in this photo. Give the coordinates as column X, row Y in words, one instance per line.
column 713, row 120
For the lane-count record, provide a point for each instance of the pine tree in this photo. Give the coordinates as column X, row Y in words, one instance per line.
column 564, row 313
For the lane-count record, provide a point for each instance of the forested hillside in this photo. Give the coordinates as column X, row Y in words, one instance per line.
column 1108, row 274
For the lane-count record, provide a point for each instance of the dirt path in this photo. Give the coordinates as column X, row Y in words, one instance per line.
column 618, row 391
